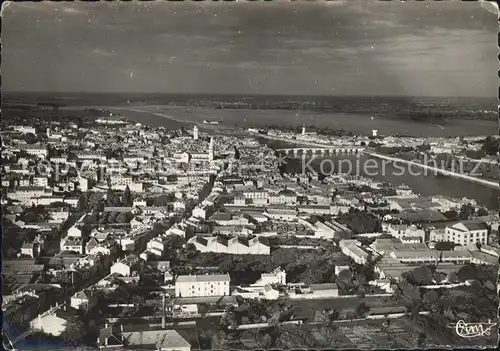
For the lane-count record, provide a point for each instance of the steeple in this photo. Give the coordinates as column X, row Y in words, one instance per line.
column 211, row 150
column 195, row 133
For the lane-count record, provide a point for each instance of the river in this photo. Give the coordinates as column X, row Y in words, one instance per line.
column 423, row 184
column 420, row 182
column 361, row 124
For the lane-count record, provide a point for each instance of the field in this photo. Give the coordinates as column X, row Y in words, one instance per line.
column 354, row 335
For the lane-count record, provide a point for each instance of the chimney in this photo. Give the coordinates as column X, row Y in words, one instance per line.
column 121, row 328
column 106, row 325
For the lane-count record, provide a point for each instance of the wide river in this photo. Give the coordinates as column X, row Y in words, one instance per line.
column 356, row 123
column 423, row 184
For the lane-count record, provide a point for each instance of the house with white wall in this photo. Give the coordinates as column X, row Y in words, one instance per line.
column 467, row 233
column 352, row 248
column 234, row 245
column 202, row 285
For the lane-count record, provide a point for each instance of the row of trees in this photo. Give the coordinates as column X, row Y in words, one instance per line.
column 96, row 201
column 110, row 218
column 491, row 145
column 34, row 214
column 475, row 303
column 360, row 222
column 276, row 335
column 354, row 281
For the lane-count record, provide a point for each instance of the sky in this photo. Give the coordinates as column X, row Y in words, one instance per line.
column 283, row 47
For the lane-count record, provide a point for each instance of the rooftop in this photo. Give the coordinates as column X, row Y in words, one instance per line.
column 471, row 225
column 203, row 278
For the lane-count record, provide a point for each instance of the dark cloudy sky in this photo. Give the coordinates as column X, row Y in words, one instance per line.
column 350, row 48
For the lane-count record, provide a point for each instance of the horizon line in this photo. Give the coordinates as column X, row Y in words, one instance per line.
column 242, row 94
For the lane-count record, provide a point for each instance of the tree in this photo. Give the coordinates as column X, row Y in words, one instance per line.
column 264, row 339
column 112, row 199
column 75, row 332
column 346, row 282
column 123, row 217
column 482, row 212
column 445, row 245
column 229, row 320
column 190, row 251
column 422, row 275
column 407, row 291
column 220, row 341
column 491, row 145
column 93, row 201
column 430, row 298
column 101, row 205
column 361, row 310
column 34, row 214
column 451, row 214
column 112, row 217
column 327, row 316
column 360, row 222
column 204, row 339
column 466, row 272
column 30, row 138
column 466, row 211
column 127, row 197
column 453, row 277
column 421, row 340
column 138, row 302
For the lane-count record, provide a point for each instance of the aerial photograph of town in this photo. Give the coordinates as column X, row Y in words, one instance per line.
column 250, row 175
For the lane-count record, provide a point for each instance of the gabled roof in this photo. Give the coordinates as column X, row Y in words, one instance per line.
column 91, row 244
column 471, row 225
column 107, row 334
column 221, row 216
column 203, row 278
column 81, row 295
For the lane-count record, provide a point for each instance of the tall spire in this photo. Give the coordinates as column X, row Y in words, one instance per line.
column 195, row 133
column 211, row 150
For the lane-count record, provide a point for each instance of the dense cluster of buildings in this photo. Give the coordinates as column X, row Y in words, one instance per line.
column 105, row 203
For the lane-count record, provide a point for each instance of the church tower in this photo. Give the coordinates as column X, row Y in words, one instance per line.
column 195, row 133
column 211, row 150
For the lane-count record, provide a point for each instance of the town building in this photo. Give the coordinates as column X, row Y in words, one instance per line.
column 352, row 248
column 467, row 233
column 202, row 285
column 233, row 245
